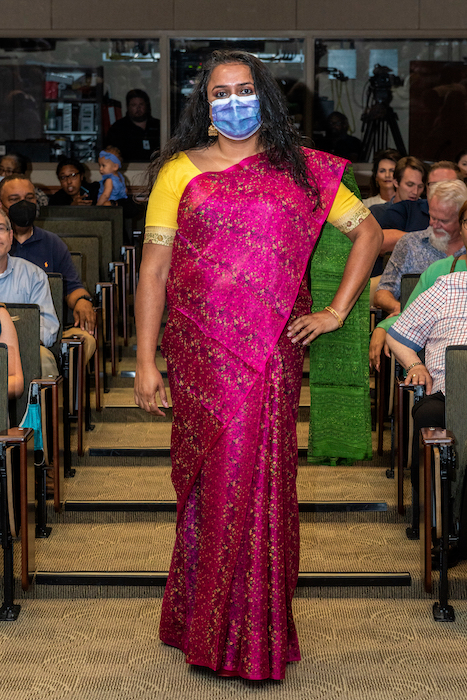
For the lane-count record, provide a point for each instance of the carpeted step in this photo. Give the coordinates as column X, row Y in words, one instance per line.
column 153, row 434
column 329, row 493
column 147, row 546
column 119, row 404
column 313, row 483
column 134, row 439
column 124, row 397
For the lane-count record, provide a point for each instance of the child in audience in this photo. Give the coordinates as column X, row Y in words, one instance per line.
column 112, row 186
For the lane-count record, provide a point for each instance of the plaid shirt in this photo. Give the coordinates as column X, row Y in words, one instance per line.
column 435, row 319
column 413, row 253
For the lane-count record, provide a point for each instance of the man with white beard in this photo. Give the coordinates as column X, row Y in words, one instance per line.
column 415, row 251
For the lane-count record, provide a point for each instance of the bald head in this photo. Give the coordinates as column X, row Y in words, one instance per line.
column 14, row 188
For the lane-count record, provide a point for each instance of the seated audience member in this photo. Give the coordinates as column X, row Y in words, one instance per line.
column 441, row 267
column 413, row 216
column 338, row 140
column 49, row 252
column 382, row 177
column 417, row 250
column 22, row 282
column 16, row 164
column 436, row 319
column 137, row 135
column 409, row 181
column 74, row 189
column 461, row 161
column 9, row 337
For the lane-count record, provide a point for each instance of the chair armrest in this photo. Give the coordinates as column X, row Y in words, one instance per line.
column 437, row 436
column 401, row 385
column 24, row 439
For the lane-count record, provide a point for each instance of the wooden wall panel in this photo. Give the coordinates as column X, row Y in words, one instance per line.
column 26, row 14
column 184, row 16
column 112, row 14
column 255, row 15
column 369, row 14
column 439, row 15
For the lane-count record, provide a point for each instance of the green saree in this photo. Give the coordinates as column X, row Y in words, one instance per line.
column 340, row 418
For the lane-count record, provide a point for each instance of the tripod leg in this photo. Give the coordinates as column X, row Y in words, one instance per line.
column 395, row 131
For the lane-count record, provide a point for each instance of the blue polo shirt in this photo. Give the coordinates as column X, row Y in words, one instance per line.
column 407, row 216
column 50, row 253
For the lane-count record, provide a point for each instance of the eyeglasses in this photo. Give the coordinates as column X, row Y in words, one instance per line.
column 71, row 176
column 8, row 171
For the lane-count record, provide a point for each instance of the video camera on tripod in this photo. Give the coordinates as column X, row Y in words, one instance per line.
column 381, row 83
column 379, row 117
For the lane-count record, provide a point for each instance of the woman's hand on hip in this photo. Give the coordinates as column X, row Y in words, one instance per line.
column 149, row 382
column 306, row 328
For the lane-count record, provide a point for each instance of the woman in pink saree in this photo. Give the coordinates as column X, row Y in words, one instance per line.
column 235, row 210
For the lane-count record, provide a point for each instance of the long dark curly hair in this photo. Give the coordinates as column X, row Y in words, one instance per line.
column 277, row 136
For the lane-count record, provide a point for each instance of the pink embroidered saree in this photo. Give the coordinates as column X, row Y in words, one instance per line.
column 237, row 277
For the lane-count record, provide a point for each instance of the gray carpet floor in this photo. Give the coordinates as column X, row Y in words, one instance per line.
column 101, row 642
column 351, row 650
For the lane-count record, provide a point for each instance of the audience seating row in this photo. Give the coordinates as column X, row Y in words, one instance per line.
column 17, row 498
column 93, row 244
column 443, row 470
column 441, row 514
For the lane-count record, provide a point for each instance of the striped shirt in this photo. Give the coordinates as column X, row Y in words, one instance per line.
column 435, row 319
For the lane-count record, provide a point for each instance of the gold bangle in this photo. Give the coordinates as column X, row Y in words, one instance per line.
column 335, row 314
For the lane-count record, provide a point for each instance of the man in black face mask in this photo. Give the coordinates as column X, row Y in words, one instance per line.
column 47, row 251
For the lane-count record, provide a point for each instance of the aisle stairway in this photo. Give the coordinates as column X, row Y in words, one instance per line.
column 88, row 627
column 116, row 532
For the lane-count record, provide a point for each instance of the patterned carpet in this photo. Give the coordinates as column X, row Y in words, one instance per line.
column 351, row 650
column 101, row 642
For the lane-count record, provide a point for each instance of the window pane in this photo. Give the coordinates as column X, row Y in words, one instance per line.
column 284, row 57
column 60, row 96
column 404, row 94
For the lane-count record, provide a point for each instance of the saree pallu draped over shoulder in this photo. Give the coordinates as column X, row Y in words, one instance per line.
column 237, row 276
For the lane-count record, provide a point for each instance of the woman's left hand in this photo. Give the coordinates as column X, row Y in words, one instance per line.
column 306, row 328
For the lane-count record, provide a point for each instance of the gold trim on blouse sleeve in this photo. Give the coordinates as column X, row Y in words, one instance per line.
column 352, row 218
column 160, row 235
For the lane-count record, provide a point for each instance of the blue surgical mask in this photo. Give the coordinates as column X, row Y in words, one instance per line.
column 236, row 117
column 32, row 416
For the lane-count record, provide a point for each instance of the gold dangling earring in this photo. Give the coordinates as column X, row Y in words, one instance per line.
column 212, row 131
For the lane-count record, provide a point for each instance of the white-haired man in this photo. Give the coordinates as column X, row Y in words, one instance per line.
column 416, row 251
